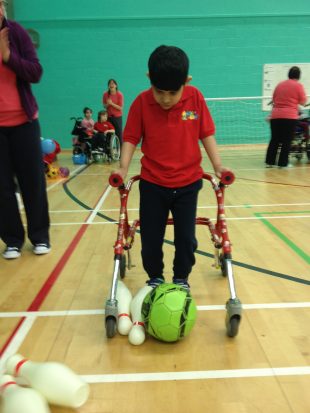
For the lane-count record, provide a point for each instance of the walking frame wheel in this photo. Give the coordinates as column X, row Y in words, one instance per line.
column 111, row 318
column 110, row 325
column 233, row 316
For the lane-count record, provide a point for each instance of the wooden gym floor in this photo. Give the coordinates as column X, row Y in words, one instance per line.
column 51, row 307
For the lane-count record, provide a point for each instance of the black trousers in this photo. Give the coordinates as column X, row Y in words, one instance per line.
column 117, row 122
column 99, row 140
column 282, row 133
column 21, row 157
column 155, row 203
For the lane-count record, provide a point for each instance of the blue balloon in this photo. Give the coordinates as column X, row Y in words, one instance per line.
column 48, row 146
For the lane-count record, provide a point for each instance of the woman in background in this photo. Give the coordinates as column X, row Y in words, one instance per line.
column 113, row 100
column 20, row 143
column 286, row 98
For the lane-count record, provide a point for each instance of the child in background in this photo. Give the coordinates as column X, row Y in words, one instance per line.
column 102, row 125
column 170, row 118
column 88, row 122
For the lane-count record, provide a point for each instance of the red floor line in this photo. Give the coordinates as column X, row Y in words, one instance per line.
column 43, row 293
column 45, row 289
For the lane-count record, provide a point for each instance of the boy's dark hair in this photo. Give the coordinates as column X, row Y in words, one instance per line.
column 168, row 68
column 86, row 109
column 102, row 112
column 294, row 73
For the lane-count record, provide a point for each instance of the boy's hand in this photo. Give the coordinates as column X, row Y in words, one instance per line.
column 220, row 169
column 122, row 172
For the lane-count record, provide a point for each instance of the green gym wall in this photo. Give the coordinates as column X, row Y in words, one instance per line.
column 84, row 43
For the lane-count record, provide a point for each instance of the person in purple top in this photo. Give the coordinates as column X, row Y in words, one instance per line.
column 20, row 143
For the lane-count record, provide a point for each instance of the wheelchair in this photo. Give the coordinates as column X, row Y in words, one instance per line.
column 93, row 148
column 300, row 144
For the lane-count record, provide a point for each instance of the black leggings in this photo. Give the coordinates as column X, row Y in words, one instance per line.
column 99, row 140
column 21, row 157
column 117, row 122
column 155, row 203
column 282, row 133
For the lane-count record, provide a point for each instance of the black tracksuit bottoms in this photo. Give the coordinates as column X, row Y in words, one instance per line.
column 155, row 204
column 282, row 133
column 117, row 122
column 21, row 157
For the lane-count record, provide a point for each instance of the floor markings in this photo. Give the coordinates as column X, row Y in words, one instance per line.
column 198, row 375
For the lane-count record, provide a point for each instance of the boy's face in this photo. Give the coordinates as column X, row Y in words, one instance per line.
column 167, row 98
column 88, row 114
column 104, row 117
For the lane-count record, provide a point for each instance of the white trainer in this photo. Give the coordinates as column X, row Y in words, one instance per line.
column 40, row 249
column 11, row 252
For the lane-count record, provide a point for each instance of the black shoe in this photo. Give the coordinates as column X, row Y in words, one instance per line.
column 155, row 282
column 182, row 282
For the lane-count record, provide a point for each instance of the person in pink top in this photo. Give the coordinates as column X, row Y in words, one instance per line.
column 21, row 153
column 113, row 100
column 287, row 95
column 88, row 122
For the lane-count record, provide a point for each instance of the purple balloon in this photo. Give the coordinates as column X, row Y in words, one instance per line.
column 64, row 171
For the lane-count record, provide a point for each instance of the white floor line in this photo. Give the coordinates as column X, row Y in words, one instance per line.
column 68, row 211
column 269, row 217
column 57, row 313
column 99, row 205
column 65, row 313
column 212, row 219
column 17, row 340
column 258, row 205
column 197, row 375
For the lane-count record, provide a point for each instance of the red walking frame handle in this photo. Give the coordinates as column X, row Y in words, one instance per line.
column 227, row 178
column 115, row 180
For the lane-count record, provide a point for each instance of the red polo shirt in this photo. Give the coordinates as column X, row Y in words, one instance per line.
column 118, row 99
column 170, row 138
column 103, row 126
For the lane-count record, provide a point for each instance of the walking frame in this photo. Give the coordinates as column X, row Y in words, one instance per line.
column 219, row 237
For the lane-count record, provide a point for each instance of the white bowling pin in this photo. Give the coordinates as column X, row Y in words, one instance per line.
column 18, row 399
column 137, row 332
column 55, row 381
column 124, row 297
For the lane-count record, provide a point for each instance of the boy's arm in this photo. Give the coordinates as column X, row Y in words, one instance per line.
column 210, row 146
column 127, row 152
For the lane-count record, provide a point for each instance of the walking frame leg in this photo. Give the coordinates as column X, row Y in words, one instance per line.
column 111, row 303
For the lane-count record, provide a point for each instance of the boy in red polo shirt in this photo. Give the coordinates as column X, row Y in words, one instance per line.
column 170, row 118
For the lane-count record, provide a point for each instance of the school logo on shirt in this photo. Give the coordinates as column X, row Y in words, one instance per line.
column 189, row 115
